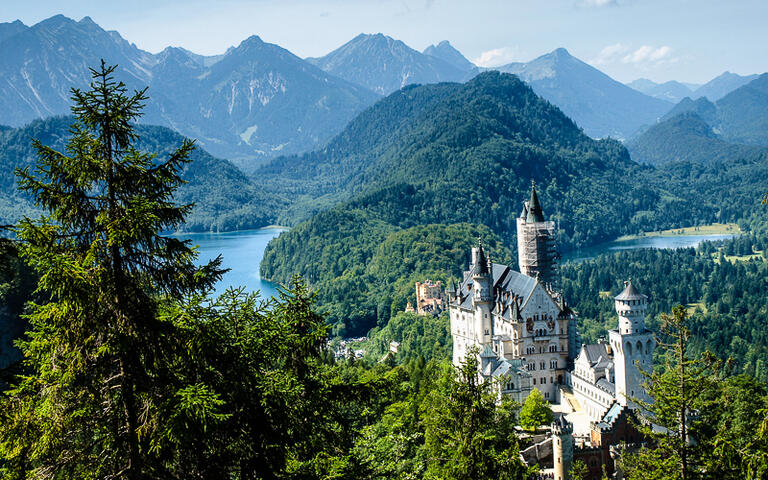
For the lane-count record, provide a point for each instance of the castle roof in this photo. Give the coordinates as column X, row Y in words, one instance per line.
column 502, row 278
column 535, row 213
column 630, row 293
column 595, row 353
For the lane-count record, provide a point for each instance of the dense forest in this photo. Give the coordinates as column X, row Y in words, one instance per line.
column 225, row 199
column 467, row 153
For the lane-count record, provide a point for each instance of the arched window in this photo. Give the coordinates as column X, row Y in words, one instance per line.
column 628, row 348
column 639, row 347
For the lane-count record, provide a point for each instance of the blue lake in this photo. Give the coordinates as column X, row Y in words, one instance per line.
column 242, row 253
column 679, row 241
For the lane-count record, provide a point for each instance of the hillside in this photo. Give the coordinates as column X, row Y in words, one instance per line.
column 597, row 103
column 383, row 64
column 684, row 138
column 225, row 198
column 739, row 117
column 461, row 153
column 249, row 104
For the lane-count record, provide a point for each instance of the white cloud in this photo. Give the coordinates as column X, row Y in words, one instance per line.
column 598, row 3
column 609, row 54
column 497, row 57
column 645, row 56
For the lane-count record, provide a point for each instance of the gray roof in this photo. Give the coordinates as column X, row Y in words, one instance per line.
column 503, row 278
column 630, row 293
column 535, row 213
column 606, row 386
column 595, row 352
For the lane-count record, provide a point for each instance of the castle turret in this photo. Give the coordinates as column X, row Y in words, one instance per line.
column 536, row 247
column 562, row 447
column 633, row 345
column 482, row 295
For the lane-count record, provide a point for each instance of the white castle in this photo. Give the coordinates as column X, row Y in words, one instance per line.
column 526, row 333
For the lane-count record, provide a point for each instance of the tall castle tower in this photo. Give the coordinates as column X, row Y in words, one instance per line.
column 536, row 248
column 633, row 345
column 562, row 447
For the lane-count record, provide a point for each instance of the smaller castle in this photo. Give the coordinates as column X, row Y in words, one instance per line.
column 430, row 298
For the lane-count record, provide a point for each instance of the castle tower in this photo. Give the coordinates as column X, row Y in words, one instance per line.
column 632, row 344
column 562, row 447
column 482, row 295
column 536, row 247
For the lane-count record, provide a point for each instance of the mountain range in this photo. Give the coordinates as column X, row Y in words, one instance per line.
column 674, row 91
column 251, row 103
column 383, row 64
column 740, row 117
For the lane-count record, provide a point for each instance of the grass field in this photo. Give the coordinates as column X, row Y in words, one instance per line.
column 711, row 229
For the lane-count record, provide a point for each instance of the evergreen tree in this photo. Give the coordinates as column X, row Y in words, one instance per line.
column 678, row 391
column 95, row 402
column 468, row 436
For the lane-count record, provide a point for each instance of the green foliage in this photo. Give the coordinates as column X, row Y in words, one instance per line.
column 365, row 270
column 17, row 282
column 712, row 423
column 685, row 138
column 424, row 336
column 445, row 424
column 97, row 354
column 535, row 411
column 579, row 470
column 224, row 198
column 727, row 299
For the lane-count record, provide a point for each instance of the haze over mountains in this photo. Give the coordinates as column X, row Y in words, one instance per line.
column 255, row 101
column 258, row 101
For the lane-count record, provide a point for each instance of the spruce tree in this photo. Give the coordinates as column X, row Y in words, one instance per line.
column 100, row 361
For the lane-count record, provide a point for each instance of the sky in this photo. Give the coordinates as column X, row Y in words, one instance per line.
column 685, row 40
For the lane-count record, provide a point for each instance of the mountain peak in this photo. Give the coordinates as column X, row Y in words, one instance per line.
column 561, row 52
column 446, row 52
column 86, row 20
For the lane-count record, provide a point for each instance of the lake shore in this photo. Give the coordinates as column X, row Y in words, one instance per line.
column 711, row 229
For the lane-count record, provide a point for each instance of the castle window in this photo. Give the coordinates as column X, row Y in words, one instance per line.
column 543, row 380
column 534, row 381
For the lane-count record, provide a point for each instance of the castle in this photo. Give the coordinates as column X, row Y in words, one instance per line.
column 525, row 336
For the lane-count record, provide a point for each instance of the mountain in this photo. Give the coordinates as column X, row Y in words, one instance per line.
column 225, row 199
column 251, row 103
column 671, row 91
column 383, row 64
column 11, row 28
column 599, row 104
column 435, row 155
column 445, row 52
column 722, row 85
column 685, row 138
column 40, row 64
column 739, row 117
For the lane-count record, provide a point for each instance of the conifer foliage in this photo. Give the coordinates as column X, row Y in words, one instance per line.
column 95, row 401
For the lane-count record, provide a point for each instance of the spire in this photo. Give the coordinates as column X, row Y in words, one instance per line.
column 482, row 263
column 535, row 214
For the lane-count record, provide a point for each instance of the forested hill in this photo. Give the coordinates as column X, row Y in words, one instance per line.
column 225, row 199
column 686, row 137
column 470, row 152
column 450, row 153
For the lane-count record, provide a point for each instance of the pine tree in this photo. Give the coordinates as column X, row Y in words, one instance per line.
column 678, row 391
column 100, row 360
